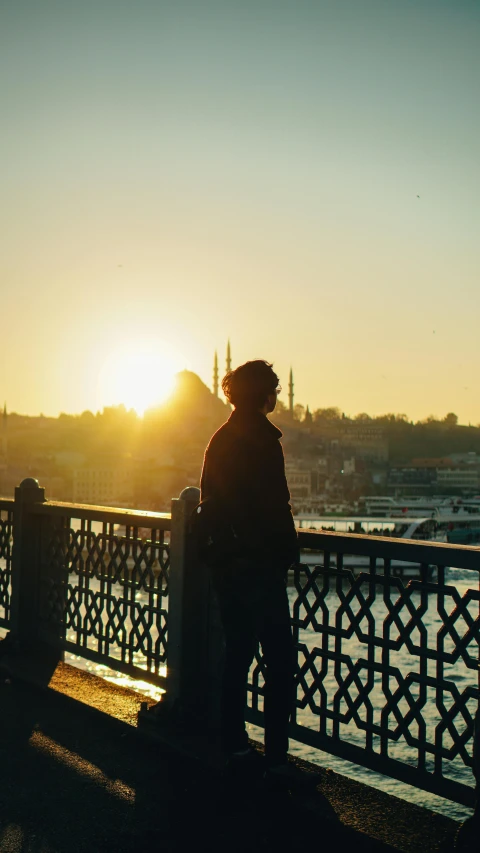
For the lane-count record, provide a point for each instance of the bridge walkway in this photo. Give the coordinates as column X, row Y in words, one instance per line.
column 78, row 776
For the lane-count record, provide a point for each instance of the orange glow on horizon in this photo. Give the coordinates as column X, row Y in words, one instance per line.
column 139, row 375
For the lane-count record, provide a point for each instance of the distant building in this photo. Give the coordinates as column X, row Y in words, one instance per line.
column 432, row 462
column 457, row 479
column 433, row 476
column 69, row 458
column 298, row 478
column 307, row 482
column 469, row 458
column 364, row 441
column 411, row 480
column 103, row 485
column 349, row 466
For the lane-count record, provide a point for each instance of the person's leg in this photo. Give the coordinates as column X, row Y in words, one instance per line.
column 275, row 635
column 238, row 625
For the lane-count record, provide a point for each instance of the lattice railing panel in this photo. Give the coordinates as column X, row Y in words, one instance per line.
column 387, row 668
column 6, row 545
column 106, row 593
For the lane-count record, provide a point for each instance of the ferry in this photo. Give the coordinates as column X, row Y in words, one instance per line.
column 417, row 506
column 460, row 528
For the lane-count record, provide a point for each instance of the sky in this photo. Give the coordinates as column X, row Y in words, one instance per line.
column 299, row 176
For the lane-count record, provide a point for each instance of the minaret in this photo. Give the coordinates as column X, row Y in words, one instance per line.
column 290, row 393
column 229, row 358
column 215, row 375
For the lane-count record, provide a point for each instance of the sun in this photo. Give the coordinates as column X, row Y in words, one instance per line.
column 138, row 375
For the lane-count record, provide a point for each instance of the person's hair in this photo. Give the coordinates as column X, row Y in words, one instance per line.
column 249, row 386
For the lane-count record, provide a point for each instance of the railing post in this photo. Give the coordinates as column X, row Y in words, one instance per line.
column 25, row 564
column 193, row 638
column 28, row 655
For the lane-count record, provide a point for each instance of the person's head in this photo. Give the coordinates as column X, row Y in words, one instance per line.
column 252, row 386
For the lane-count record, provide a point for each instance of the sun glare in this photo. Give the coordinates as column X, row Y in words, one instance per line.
column 138, row 376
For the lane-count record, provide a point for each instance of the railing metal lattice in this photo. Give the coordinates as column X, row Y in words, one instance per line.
column 6, row 533
column 387, row 668
column 106, row 593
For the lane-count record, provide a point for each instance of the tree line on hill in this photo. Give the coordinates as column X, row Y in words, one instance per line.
column 430, row 437
column 186, row 422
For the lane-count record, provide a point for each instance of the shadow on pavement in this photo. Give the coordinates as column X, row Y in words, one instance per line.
column 75, row 781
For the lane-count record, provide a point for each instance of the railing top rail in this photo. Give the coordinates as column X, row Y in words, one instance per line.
column 410, row 550
column 116, row 515
column 7, row 503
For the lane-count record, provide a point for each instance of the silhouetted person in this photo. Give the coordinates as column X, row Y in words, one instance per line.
column 252, row 542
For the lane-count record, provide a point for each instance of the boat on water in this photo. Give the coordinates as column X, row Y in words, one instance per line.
column 417, row 506
column 460, row 528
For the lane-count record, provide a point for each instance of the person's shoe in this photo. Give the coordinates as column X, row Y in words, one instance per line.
column 246, row 764
column 289, row 777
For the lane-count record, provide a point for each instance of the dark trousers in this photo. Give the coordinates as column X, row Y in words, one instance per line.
column 254, row 608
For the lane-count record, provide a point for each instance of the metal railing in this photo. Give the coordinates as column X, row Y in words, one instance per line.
column 387, row 673
column 104, row 585
column 121, row 588
column 6, row 534
column 387, row 631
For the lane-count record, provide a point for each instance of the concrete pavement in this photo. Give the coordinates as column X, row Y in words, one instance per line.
column 74, row 779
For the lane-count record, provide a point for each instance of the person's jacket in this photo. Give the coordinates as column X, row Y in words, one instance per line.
column 243, row 482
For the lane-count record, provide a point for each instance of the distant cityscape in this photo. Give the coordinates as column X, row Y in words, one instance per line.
column 115, row 458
